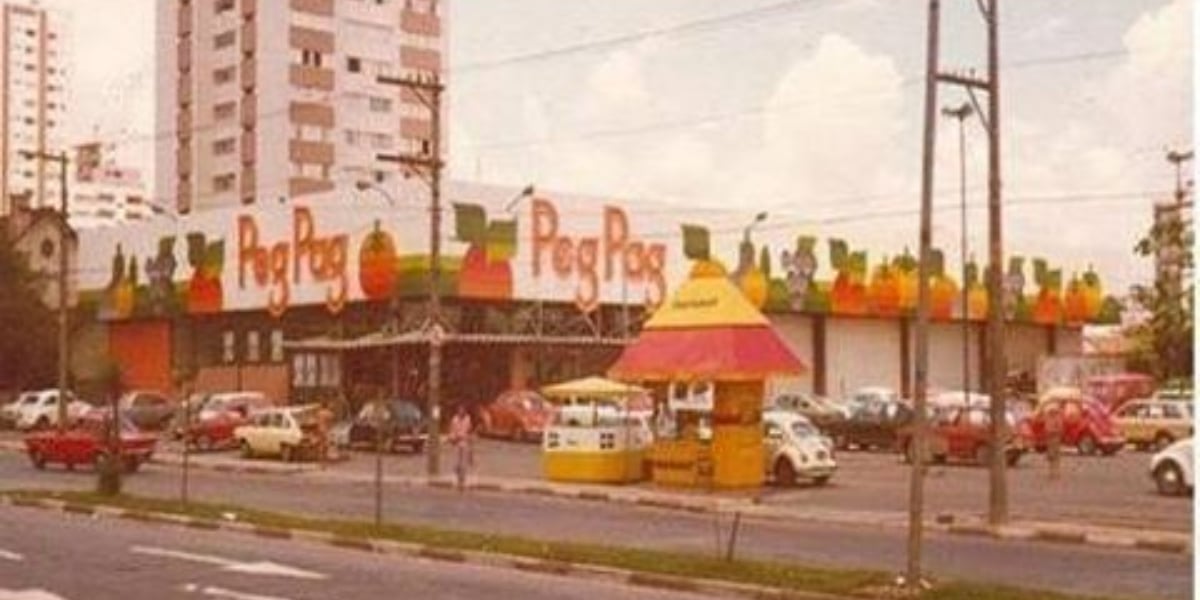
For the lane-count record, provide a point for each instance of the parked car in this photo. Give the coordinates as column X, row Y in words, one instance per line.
column 517, row 414
column 148, row 410
column 1113, row 391
column 962, row 433
column 212, row 431
column 872, row 424
column 872, row 395
column 1172, row 471
column 795, row 449
column 817, row 409
column 1154, row 423
column 10, row 411
column 287, row 432
column 399, row 423
column 1087, row 424
column 85, row 443
column 41, row 410
column 243, row 403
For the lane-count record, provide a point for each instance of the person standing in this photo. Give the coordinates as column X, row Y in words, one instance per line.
column 1054, row 435
column 460, row 437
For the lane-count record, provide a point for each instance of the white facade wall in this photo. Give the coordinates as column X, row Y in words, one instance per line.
column 861, row 353
column 796, row 331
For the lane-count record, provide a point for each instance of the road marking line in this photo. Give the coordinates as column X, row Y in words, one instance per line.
column 28, row 595
column 227, row 594
column 262, row 567
column 11, row 556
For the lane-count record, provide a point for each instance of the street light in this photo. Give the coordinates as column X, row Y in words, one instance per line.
column 527, row 192
column 364, row 186
column 758, row 219
column 961, row 113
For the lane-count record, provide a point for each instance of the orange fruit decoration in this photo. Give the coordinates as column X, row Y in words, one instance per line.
column 883, row 295
column 377, row 264
column 1075, row 303
column 977, row 298
column 1093, row 295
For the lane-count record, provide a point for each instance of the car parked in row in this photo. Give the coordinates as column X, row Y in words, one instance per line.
column 796, row 449
column 1154, row 423
column 287, row 432
column 817, row 409
column 1172, row 469
column 39, row 410
column 962, row 433
column 86, row 443
column 397, row 424
column 517, row 415
column 148, row 410
column 873, row 424
column 1086, row 424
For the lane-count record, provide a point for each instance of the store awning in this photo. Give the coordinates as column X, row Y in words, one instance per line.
column 420, row 338
column 591, row 387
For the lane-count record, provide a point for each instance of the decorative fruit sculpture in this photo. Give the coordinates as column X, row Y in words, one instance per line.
column 707, row 268
column 207, row 259
column 486, row 271
column 124, row 292
column 943, row 292
column 883, row 295
column 377, row 264
column 801, row 266
column 696, row 248
column 848, row 295
column 1015, row 306
column 977, row 298
column 749, row 277
column 1047, row 307
column 905, row 269
column 1093, row 294
column 1075, row 302
column 160, row 271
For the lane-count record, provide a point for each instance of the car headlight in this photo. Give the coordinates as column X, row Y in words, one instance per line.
column 803, row 458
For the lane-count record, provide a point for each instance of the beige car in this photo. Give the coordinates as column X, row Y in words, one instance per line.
column 1155, row 424
column 289, row 433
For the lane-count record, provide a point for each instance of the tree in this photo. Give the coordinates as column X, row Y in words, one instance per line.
column 1163, row 345
column 28, row 344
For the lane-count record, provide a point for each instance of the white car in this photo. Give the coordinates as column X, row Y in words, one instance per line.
column 1172, row 469
column 39, row 410
column 288, row 432
column 795, row 449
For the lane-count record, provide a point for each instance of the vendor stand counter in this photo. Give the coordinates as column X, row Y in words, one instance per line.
column 595, row 445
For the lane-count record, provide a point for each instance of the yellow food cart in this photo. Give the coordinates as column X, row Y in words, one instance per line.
column 594, row 437
column 708, row 352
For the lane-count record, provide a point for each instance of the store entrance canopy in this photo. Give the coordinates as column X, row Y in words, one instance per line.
column 591, row 387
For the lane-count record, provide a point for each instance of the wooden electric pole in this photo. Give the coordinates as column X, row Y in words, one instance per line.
column 429, row 164
column 916, row 499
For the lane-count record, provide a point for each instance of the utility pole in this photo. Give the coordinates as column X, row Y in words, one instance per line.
column 916, row 498
column 997, row 363
column 961, row 113
column 1178, row 158
column 64, row 336
column 428, row 90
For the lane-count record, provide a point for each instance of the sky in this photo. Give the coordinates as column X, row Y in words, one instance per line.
column 810, row 110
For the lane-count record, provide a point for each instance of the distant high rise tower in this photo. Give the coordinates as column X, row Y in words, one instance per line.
column 267, row 99
column 32, row 104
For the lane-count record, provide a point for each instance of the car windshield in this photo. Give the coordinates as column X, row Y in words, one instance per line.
column 803, row 429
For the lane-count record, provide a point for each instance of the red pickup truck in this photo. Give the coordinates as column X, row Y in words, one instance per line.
column 85, row 444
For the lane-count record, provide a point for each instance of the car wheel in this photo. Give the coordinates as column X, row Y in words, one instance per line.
column 1013, row 457
column 39, row 461
column 247, row 452
column 840, row 442
column 287, row 453
column 1087, row 445
column 42, row 424
column 785, row 473
column 820, row 481
column 1162, row 440
column 983, row 454
column 1169, row 479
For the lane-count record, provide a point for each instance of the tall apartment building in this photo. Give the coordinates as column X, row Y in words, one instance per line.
column 104, row 192
column 270, row 99
column 32, row 103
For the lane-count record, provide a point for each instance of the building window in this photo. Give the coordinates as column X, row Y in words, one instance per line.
column 253, row 347
column 228, row 347
column 225, row 146
column 223, row 75
column 378, row 104
column 224, row 111
column 310, row 58
column 223, row 6
column 354, row 64
column 224, row 39
column 224, row 183
column 277, row 345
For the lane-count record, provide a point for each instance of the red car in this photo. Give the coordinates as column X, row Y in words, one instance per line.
column 85, row 443
column 1087, row 425
column 962, row 433
column 516, row 414
column 213, row 431
column 1113, row 391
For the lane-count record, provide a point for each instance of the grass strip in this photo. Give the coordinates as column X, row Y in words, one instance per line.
column 646, row 563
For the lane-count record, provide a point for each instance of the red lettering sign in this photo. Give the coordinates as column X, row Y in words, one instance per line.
column 306, row 254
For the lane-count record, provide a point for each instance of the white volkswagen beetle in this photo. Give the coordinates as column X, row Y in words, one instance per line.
column 795, row 449
column 1172, row 469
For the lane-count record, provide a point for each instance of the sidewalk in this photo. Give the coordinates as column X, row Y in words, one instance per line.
column 723, row 503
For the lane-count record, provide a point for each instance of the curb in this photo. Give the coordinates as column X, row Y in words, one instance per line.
column 708, row 587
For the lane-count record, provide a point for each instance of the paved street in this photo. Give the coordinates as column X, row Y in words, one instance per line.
column 1061, row 567
column 77, row 558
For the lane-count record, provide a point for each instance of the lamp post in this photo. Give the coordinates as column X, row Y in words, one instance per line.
column 961, row 113
column 758, row 219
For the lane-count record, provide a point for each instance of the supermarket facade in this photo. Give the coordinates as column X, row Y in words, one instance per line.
column 307, row 299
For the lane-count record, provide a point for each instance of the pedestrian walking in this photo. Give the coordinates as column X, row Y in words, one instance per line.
column 460, row 436
column 325, row 418
column 1054, row 435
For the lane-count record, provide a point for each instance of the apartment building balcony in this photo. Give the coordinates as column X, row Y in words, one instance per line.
column 249, row 8
column 322, row 8
column 419, row 23
column 249, row 184
column 183, row 91
column 311, row 113
column 421, row 59
column 249, row 36
column 248, row 148
column 249, row 74
column 421, row 129
column 305, row 186
column 183, row 53
column 307, row 76
column 249, row 111
column 310, row 153
column 306, row 38
column 184, row 20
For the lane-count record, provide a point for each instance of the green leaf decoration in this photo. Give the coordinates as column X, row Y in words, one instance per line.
column 806, row 243
column 1090, row 277
column 858, row 262
column 166, row 245
column 470, row 223
column 905, row 262
column 1054, row 279
column 196, row 247
column 838, row 254
column 214, row 256
column 118, row 268
column 696, row 242
column 937, row 263
column 1039, row 271
column 972, row 273
column 133, row 271
column 1016, row 265
column 764, row 261
column 1110, row 311
column 501, row 241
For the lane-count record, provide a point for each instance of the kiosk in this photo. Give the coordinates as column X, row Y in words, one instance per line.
column 708, row 352
column 595, row 437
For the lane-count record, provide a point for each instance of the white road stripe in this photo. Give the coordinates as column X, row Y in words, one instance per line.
column 10, row 556
column 226, row 594
column 266, row 568
column 28, row 595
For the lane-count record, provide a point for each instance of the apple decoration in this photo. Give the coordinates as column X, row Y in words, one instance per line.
column 377, row 264
column 942, row 290
column 1047, row 307
column 486, row 272
column 883, row 295
column 749, row 277
column 905, row 269
column 849, row 293
column 1075, row 302
column 977, row 297
column 207, row 259
column 1093, row 294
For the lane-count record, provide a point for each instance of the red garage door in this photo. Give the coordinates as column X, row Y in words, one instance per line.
column 143, row 350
